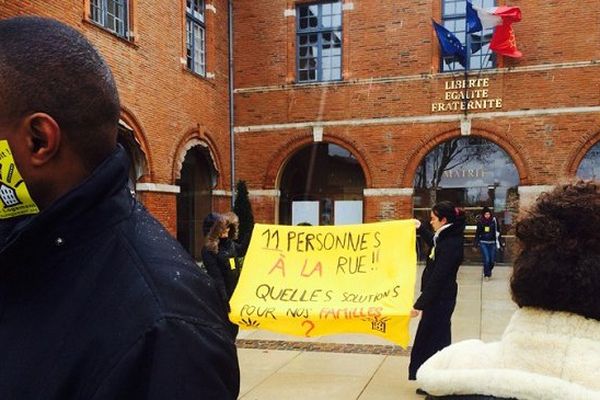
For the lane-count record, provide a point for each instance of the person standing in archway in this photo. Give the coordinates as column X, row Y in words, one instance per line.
column 438, row 283
column 487, row 238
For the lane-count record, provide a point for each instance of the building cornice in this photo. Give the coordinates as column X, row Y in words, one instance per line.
column 377, row 192
column 419, row 77
column 264, row 193
column 420, row 119
column 220, row 192
column 157, row 187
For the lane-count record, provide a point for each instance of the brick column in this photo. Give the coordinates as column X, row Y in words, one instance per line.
column 221, row 201
column 210, row 22
column 382, row 204
column 161, row 201
column 265, row 205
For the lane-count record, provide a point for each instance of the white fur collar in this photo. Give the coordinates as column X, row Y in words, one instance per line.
column 542, row 356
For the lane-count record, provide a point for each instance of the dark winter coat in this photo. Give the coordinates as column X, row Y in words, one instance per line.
column 438, row 281
column 224, row 266
column 232, row 251
column 99, row 302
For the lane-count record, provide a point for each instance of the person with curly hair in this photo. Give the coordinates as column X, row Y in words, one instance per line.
column 216, row 229
column 233, row 248
column 221, row 254
column 551, row 347
column 438, row 283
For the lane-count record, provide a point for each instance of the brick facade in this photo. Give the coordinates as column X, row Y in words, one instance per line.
column 163, row 102
column 547, row 117
column 381, row 111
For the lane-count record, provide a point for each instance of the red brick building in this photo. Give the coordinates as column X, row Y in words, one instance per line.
column 396, row 106
column 344, row 110
column 175, row 104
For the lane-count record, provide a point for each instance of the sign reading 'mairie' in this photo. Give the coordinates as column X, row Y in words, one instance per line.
column 320, row 280
column 469, row 94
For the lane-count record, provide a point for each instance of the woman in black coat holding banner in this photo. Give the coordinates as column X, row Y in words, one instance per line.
column 221, row 254
column 438, row 283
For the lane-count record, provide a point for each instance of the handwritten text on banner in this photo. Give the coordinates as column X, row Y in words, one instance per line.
column 314, row 281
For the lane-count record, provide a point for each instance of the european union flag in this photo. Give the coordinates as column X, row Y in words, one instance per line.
column 450, row 45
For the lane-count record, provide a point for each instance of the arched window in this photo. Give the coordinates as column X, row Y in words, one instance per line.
column 138, row 165
column 589, row 168
column 194, row 201
column 322, row 184
column 473, row 173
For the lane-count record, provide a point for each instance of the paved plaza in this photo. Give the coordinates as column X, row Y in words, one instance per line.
column 362, row 367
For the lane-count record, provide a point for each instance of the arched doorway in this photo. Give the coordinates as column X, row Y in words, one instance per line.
column 138, row 165
column 322, row 184
column 589, row 168
column 473, row 173
column 194, row 201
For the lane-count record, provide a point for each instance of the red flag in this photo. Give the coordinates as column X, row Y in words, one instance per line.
column 509, row 14
column 504, row 41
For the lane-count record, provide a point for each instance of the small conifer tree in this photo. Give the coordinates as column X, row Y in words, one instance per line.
column 243, row 209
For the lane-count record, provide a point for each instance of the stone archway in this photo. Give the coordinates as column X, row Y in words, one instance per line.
column 472, row 172
column 589, row 166
column 196, row 180
column 131, row 137
column 138, row 166
column 321, row 184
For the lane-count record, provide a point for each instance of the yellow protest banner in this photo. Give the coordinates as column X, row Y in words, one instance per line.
column 320, row 280
column 14, row 196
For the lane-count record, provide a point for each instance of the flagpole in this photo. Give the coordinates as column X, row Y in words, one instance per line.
column 467, row 61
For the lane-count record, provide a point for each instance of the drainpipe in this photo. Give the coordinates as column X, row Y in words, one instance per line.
column 231, row 116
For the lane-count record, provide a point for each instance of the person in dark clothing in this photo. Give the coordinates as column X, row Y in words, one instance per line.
column 222, row 253
column 215, row 230
column 487, row 238
column 234, row 248
column 551, row 347
column 438, row 283
column 97, row 300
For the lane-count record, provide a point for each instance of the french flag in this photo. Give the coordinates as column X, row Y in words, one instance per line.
column 501, row 19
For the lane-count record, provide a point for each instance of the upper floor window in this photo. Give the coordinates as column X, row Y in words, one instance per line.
column 111, row 14
column 195, row 36
column 454, row 19
column 319, row 42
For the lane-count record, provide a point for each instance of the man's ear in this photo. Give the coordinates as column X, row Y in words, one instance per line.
column 44, row 137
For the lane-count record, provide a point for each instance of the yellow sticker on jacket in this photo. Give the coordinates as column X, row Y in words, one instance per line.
column 486, row 228
column 232, row 263
column 14, row 196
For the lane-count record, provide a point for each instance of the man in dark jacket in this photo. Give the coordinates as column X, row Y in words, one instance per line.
column 97, row 301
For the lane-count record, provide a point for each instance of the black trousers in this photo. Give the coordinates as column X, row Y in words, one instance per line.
column 433, row 334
